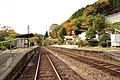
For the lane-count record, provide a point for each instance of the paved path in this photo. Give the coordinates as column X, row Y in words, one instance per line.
column 6, row 58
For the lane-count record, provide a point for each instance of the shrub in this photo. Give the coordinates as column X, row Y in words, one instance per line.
column 31, row 43
column 2, row 48
column 46, row 42
column 61, row 42
column 56, row 41
column 7, row 45
column 103, row 44
column 81, row 43
column 51, row 42
column 104, row 37
column 92, row 42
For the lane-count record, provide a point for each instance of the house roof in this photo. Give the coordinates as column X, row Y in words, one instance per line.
column 25, row 35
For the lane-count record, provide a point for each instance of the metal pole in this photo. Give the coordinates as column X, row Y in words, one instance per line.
column 18, row 44
column 10, row 50
column 115, row 37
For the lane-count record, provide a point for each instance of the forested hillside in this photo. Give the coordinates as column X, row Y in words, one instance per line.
column 91, row 17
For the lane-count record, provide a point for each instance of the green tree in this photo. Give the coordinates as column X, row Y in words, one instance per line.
column 90, row 34
column 115, row 3
column 54, row 31
column 46, row 35
column 62, row 32
column 104, row 37
column 77, row 23
column 99, row 22
column 78, row 13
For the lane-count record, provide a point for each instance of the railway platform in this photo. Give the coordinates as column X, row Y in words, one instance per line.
column 114, row 53
column 9, row 59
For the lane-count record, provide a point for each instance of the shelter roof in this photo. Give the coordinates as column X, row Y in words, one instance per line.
column 25, row 35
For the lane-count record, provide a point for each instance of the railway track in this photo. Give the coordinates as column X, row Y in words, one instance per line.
column 40, row 68
column 113, row 69
column 45, row 68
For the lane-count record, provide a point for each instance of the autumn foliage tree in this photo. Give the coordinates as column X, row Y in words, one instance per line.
column 68, row 28
column 12, row 33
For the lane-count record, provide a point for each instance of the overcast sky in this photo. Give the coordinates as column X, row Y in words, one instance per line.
column 38, row 14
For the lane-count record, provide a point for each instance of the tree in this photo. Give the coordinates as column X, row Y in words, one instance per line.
column 53, row 27
column 68, row 28
column 115, row 3
column 36, row 39
column 12, row 33
column 91, row 33
column 88, row 11
column 62, row 32
column 99, row 22
column 104, row 37
column 46, row 35
column 54, row 31
column 78, row 13
column 77, row 23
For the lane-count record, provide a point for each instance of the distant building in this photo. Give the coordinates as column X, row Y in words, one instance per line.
column 68, row 39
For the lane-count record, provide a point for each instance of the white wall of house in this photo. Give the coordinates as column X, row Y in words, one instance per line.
column 82, row 36
column 97, row 37
column 68, row 37
column 113, row 18
column 115, row 40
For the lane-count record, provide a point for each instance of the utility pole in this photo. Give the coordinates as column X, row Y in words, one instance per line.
column 28, row 29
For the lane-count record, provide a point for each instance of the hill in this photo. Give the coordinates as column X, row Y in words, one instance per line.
column 91, row 16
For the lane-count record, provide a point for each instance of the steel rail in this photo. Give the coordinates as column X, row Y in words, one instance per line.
column 53, row 66
column 37, row 69
column 38, row 65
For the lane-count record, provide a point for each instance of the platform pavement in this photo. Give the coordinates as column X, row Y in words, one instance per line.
column 113, row 52
column 7, row 58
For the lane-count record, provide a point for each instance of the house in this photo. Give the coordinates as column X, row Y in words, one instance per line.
column 82, row 36
column 115, row 40
column 68, row 39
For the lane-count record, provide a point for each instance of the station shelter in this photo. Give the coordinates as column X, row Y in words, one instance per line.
column 23, row 40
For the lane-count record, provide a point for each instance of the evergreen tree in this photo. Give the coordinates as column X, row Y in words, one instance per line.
column 62, row 32
column 46, row 35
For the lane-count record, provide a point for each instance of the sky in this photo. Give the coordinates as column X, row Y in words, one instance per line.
column 38, row 14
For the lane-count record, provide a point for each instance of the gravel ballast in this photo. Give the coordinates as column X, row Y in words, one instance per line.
column 90, row 73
